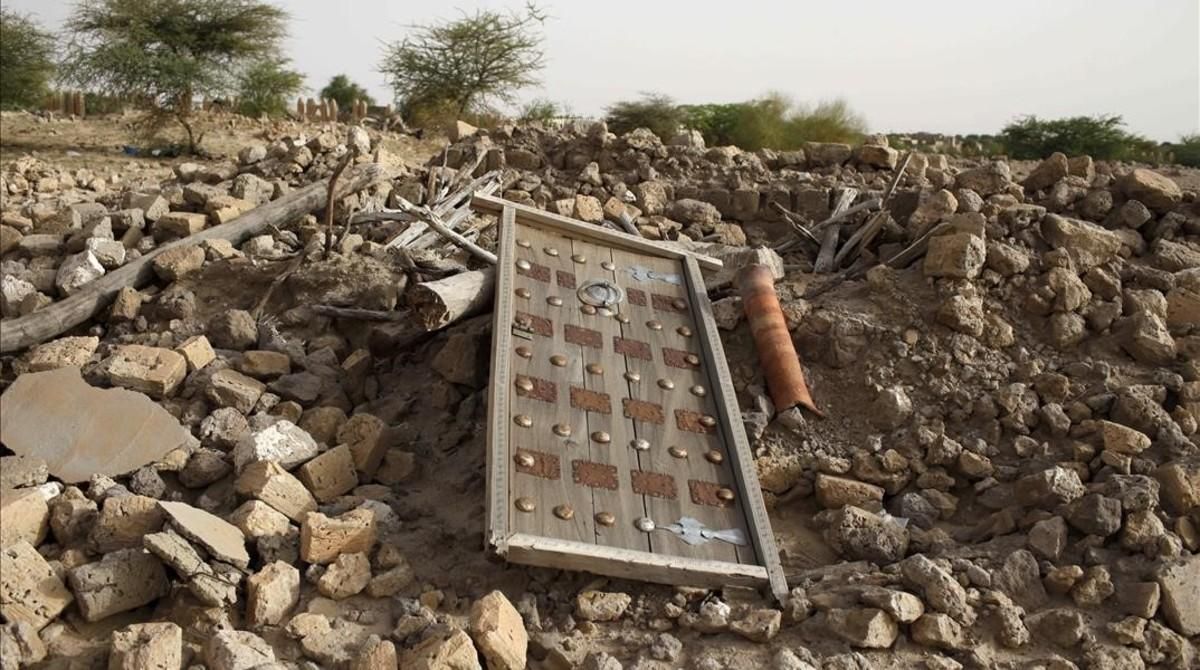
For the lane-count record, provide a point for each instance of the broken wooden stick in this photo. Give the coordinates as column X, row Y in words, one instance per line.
column 826, row 257
column 470, row 247
column 25, row 331
column 441, row 302
column 358, row 314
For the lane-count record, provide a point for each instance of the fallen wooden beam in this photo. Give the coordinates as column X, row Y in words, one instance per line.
column 441, row 302
column 26, row 331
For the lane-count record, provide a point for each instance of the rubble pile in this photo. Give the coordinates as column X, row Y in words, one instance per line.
column 1009, row 475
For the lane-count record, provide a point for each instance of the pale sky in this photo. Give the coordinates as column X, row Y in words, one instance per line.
column 950, row 66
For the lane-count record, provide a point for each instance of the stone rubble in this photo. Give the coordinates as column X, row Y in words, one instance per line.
column 1023, row 492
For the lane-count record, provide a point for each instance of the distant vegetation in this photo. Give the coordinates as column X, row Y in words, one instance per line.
column 1186, row 151
column 1101, row 137
column 170, row 53
column 773, row 121
column 345, row 92
column 266, row 88
column 655, row 111
column 26, row 61
column 454, row 69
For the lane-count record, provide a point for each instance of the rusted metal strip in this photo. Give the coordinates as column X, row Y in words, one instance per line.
column 780, row 362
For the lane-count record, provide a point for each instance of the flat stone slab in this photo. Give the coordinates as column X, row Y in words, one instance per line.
column 81, row 430
column 223, row 540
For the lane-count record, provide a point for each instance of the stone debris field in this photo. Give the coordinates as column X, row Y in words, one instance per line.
column 244, row 430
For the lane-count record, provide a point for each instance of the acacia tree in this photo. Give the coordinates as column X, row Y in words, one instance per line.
column 345, row 92
column 266, row 86
column 26, row 61
column 468, row 63
column 170, row 52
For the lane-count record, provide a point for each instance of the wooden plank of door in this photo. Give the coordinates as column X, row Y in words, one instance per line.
column 610, row 433
column 666, row 382
column 740, row 458
column 499, row 414
column 547, row 368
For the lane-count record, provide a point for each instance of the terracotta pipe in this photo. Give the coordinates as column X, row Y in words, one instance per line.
column 780, row 363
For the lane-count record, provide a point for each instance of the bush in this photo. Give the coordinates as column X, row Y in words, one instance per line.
column 1187, row 150
column 542, row 110
column 655, row 111
column 267, row 88
column 1101, row 137
column 345, row 92
column 774, row 121
column 26, row 61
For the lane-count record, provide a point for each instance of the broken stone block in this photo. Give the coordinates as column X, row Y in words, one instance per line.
column 1144, row 336
column 499, row 632
column 938, row 630
column 123, row 521
column 1180, row 587
column 20, row 646
column 283, row 442
column 1048, row 538
column 365, row 435
column 322, row 423
column 147, row 646
column 265, row 364
column 391, row 581
column 1020, row 579
column 1087, row 244
column 1094, row 514
column 151, row 370
column 121, row 581
column 442, row 651
column 179, row 224
column 72, row 517
column 601, row 605
column 857, row 534
column 902, row 606
column 22, row 471
column 332, row 643
column 237, row 650
column 269, row 482
column 331, row 474
column 30, row 590
column 1049, row 488
column 221, row 539
column 348, row 575
column 1062, row 626
column 942, row 592
column 197, row 352
column 758, row 625
column 178, row 262
column 257, row 519
column 1157, row 192
column 271, row 594
column 204, row 581
column 234, row 329
column 24, row 516
column 864, row 628
column 960, row 256
column 230, row 388
column 375, row 654
column 61, row 353
column 303, row 387
column 323, row 539
column 126, row 306
column 837, row 492
column 110, row 253
column 77, row 272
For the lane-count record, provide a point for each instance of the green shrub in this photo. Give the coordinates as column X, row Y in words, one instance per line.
column 655, row 111
column 542, row 110
column 775, row 121
column 1187, row 150
column 345, row 92
column 267, row 88
column 1101, row 137
column 26, row 61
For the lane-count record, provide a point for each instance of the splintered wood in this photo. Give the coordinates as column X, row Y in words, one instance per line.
column 615, row 441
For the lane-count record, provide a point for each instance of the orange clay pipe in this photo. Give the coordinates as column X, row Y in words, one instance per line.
column 780, row 363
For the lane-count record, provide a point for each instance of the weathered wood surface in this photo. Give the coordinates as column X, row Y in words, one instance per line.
column 441, row 302
column 25, row 331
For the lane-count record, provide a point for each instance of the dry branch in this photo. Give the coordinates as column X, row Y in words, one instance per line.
column 25, row 331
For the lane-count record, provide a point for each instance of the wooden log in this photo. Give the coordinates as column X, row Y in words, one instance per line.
column 25, row 331
column 440, row 303
column 825, row 257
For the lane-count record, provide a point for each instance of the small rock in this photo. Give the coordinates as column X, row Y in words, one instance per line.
column 865, row 628
column 323, row 539
column 499, row 632
column 121, row 581
column 147, row 646
column 601, row 605
column 237, row 650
